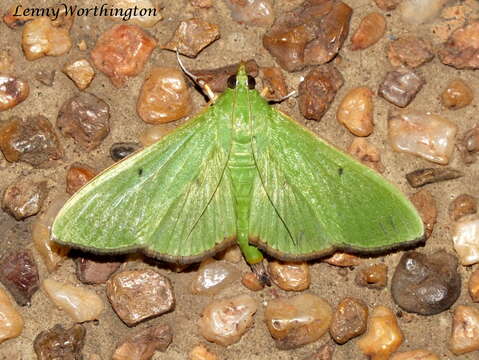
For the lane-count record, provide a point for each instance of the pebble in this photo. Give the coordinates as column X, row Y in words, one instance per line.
column 383, row 336
column 465, row 330
column 370, row 30
column 469, row 145
column 409, row 51
column 148, row 7
column 349, row 320
column 60, row 343
column 200, row 352
column 426, row 206
column 136, row 295
column 274, row 81
column 32, row 140
column 203, row 4
column 13, row 91
column 95, row 269
column 290, row 276
column 420, row 11
column 225, row 321
column 214, row 277
column 343, row 259
column 252, row 282
column 52, row 253
column 311, row 34
column 457, row 95
column 192, row 36
column 164, row 96
column 400, row 86
column 462, row 48
column 7, row 64
column 154, row 134
column 81, row 72
column 465, row 236
column 85, row 118
column 80, row 303
column 421, row 177
column 24, row 197
column 325, row 352
column 415, row 355
column 356, row 111
column 142, row 344
column 217, row 79
column 45, row 77
column 232, row 254
column 252, row 12
column 473, row 286
column 429, row 136
column 78, row 175
column 19, row 275
column 461, row 206
column 298, row 320
column 366, row 153
column 11, row 321
column 15, row 21
column 121, row 150
column 373, row 276
column 317, row 91
column 122, row 51
column 426, row 284
column 387, row 5
column 45, row 37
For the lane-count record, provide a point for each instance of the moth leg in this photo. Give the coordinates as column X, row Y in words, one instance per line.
column 250, row 253
column 261, row 273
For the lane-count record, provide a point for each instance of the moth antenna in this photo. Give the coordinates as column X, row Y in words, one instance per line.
column 293, row 93
column 200, row 83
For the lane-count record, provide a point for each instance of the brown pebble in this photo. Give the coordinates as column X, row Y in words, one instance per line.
column 252, row 282
column 15, row 21
column 32, row 140
column 214, row 276
column 19, row 275
column 401, row 86
column 273, row 80
column 310, row 34
column 47, row 78
column 164, row 96
column 370, row 30
column 122, row 51
column 81, row 72
column 469, row 145
column 461, row 206
column 24, row 198
column 142, row 344
column 421, row 177
column 349, row 320
column 201, row 352
column 355, row 111
column 290, row 276
column 461, row 50
column 473, row 286
column 387, row 5
column 204, row 4
column 366, row 153
column 457, row 95
column 95, row 269
column 12, row 91
column 373, row 276
column 217, row 78
column 317, row 91
column 465, row 330
column 136, row 295
column 192, row 36
column 299, row 320
column 343, row 259
column 11, row 321
column 427, row 208
column 409, row 51
column 78, row 175
column 60, row 343
column 7, row 65
column 85, row 118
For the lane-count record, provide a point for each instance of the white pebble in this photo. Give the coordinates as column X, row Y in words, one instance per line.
column 466, row 239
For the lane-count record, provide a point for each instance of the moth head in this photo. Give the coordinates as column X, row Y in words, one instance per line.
column 241, row 80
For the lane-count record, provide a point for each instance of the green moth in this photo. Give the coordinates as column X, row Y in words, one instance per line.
column 240, row 171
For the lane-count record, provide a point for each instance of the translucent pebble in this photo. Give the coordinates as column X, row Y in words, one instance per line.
column 214, row 277
column 466, row 239
column 11, row 322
